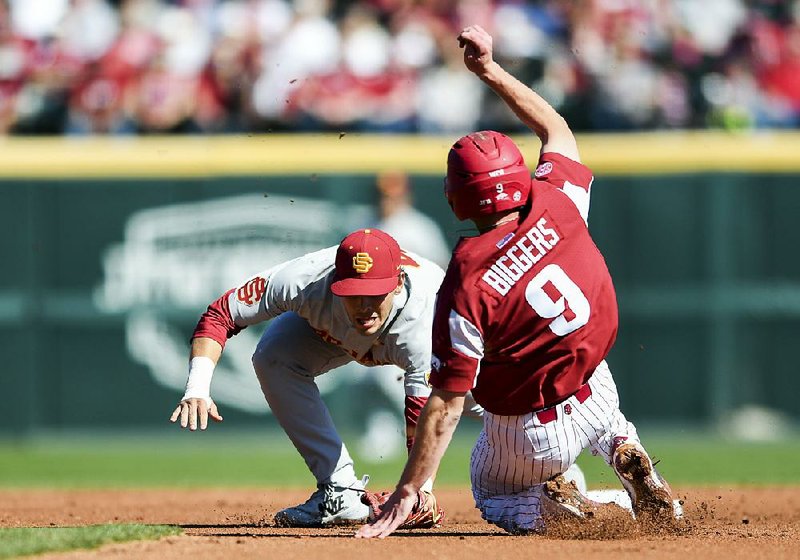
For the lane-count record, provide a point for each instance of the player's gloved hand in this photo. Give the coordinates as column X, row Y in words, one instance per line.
column 193, row 409
column 477, row 45
column 425, row 513
column 392, row 514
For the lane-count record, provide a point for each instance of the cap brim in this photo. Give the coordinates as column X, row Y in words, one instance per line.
column 364, row 286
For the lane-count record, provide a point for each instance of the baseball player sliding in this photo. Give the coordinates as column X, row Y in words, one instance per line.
column 525, row 317
column 365, row 300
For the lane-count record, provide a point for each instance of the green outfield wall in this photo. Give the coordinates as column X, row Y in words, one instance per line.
column 111, row 249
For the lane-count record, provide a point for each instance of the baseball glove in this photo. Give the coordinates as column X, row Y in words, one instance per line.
column 426, row 513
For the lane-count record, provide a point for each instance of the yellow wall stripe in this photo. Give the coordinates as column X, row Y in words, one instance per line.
column 201, row 156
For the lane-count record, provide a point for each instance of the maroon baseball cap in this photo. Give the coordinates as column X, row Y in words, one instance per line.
column 367, row 264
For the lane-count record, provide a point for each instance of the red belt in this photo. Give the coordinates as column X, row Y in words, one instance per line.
column 549, row 414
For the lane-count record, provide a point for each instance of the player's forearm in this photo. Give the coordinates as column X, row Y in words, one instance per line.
column 433, row 434
column 413, row 409
column 533, row 110
column 205, row 348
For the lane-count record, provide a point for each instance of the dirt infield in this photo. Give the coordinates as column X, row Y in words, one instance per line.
column 720, row 523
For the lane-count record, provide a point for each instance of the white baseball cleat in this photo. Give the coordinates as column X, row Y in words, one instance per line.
column 623, row 500
column 575, row 474
column 328, row 505
column 562, row 497
column 650, row 494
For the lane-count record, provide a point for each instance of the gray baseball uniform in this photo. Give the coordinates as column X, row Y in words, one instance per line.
column 311, row 334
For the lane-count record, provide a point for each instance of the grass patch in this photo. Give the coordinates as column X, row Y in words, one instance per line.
column 36, row 540
column 692, row 461
column 136, row 463
column 203, row 460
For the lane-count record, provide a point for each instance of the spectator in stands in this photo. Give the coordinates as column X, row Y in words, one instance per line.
column 384, row 65
column 16, row 61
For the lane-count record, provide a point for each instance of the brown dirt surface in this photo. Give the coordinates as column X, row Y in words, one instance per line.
column 237, row 523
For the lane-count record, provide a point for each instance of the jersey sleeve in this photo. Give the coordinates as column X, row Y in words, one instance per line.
column 458, row 345
column 216, row 323
column 263, row 296
column 572, row 178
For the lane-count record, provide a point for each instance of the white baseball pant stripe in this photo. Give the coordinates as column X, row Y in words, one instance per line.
column 514, row 455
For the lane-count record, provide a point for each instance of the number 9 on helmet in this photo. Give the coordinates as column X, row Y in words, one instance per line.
column 486, row 173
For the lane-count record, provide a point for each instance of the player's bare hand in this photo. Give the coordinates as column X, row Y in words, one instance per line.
column 393, row 513
column 192, row 412
column 477, row 45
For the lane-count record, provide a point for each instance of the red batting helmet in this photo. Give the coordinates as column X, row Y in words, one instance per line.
column 485, row 174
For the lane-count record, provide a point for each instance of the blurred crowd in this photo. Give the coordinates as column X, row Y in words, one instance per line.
column 233, row 66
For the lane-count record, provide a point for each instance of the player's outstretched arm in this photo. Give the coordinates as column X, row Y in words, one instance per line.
column 536, row 113
column 436, row 426
column 196, row 405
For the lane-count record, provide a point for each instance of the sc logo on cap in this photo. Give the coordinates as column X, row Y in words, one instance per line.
column 362, row 263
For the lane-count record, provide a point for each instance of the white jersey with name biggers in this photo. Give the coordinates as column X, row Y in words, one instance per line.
column 525, row 318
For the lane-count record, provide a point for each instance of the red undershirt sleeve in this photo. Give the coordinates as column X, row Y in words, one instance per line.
column 216, row 323
column 413, row 408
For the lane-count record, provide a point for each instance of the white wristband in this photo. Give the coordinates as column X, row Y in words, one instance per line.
column 198, row 385
column 427, row 486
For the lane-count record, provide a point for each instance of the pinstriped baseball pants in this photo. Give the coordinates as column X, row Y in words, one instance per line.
column 514, row 455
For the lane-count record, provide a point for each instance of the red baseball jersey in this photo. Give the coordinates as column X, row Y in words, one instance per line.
column 527, row 310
